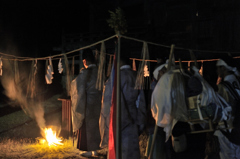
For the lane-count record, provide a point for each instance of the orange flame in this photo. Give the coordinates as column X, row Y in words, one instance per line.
column 51, row 137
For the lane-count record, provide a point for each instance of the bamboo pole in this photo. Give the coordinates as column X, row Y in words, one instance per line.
column 170, row 57
column 153, row 141
column 118, row 120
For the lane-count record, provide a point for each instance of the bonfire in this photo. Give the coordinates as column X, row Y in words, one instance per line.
column 50, row 137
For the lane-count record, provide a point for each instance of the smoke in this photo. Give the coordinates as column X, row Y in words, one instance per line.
column 15, row 88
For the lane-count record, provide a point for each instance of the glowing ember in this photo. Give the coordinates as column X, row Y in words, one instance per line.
column 51, row 137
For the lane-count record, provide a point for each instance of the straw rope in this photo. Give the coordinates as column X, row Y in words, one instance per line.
column 58, row 56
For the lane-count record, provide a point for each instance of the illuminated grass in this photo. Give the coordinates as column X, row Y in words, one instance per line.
column 27, row 148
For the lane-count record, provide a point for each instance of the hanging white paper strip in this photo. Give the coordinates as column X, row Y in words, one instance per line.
column 60, row 68
column 48, row 75
column 51, row 66
column 49, row 72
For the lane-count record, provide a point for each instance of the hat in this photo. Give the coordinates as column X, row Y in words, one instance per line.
column 155, row 72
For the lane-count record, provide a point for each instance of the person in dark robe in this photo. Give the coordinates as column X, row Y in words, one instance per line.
column 133, row 111
column 228, row 73
column 86, row 106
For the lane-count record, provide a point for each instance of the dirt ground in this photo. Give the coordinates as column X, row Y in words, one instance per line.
column 19, row 136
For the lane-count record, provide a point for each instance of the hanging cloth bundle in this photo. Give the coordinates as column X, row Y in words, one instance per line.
column 139, row 84
column 68, row 78
column 109, row 66
column 1, row 64
column 32, row 82
column 60, row 68
column 101, row 68
column 134, row 65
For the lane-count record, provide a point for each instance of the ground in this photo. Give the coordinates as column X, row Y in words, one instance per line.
column 19, row 135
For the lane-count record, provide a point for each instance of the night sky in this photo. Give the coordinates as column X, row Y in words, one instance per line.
column 33, row 28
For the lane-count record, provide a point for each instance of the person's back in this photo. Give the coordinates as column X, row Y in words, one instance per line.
column 129, row 95
column 228, row 73
column 86, row 105
column 132, row 104
column 93, row 108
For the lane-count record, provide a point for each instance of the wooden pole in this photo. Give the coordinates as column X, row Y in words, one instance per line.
column 170, row 58
column 118, row 120
column 153, row 142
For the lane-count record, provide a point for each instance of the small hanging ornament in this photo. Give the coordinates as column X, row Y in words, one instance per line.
column 60, row 68
column 1, row 67
column 146, row 72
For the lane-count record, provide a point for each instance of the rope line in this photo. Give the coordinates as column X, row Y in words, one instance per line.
column 180, row 48
column 55, row 57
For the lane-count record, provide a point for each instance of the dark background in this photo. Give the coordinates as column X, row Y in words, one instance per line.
column 33, row 28
column 44, row 28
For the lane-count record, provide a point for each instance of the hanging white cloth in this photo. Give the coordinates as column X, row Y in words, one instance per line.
column 51, row 66
column 48, row 75
column 168, row 101
column 60, row 68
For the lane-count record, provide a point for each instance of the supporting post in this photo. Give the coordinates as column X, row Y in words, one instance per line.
column 153, row 142
column 118, row 124
column 170, row 61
